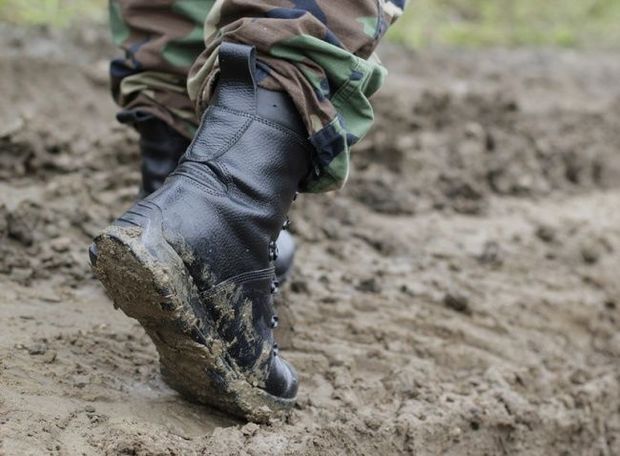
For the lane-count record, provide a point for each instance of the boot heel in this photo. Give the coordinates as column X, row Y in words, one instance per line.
column 140, row 288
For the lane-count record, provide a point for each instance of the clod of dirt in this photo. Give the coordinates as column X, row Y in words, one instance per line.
column 384, row 197
column 61, row 244
column 299, row 286
column 4, row 224
column 590, row 252
column 370, row 285
column 49, row 356
column 457, row 302
column 466, row 195
column 250, row 429
column 546, row 233
column 491, row 254
column 37, row 349
column 614, row 345
column 22, row 222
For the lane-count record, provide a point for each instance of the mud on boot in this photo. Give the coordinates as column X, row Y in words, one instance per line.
column 161, row 147
column 194, row 261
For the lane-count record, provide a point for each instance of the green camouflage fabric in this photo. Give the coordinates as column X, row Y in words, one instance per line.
column 319, row 51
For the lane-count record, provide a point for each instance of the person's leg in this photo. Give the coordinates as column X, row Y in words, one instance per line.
column 161, row 40
column 321, row 53
column 193, row 262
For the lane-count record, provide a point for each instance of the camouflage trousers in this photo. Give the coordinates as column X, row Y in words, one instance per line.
column 319, row 51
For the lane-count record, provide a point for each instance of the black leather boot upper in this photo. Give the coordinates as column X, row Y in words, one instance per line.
column 161, row 147
column 223, row 207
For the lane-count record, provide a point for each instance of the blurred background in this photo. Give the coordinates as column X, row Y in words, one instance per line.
column 427, row 23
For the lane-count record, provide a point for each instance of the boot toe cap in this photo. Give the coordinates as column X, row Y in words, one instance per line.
column 282, row 381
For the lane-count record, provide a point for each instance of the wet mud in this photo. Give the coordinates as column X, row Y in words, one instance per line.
column 460, row 296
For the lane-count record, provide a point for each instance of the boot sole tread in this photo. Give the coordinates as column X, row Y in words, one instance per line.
column 192, row 359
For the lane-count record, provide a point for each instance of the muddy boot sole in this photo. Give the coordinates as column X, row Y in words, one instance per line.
column 148, row 281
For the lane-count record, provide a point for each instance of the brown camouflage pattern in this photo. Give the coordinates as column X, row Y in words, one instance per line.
column 319, row 51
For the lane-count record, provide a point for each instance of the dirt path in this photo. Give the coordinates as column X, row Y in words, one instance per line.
column 459, row 297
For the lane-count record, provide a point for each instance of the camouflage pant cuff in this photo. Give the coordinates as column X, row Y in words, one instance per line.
column 162, row 95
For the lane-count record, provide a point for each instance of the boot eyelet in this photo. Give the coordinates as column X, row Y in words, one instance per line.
column 273, row 251
column 274, row 322
column 275, row 286
column 287, row 225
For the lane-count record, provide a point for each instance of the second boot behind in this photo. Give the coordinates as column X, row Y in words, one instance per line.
column 161, row 148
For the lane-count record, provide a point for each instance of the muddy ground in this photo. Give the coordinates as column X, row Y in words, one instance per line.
column 460, row 296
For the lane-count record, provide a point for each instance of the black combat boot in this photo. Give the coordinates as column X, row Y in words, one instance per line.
column 193, row 262
column 161, row 147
